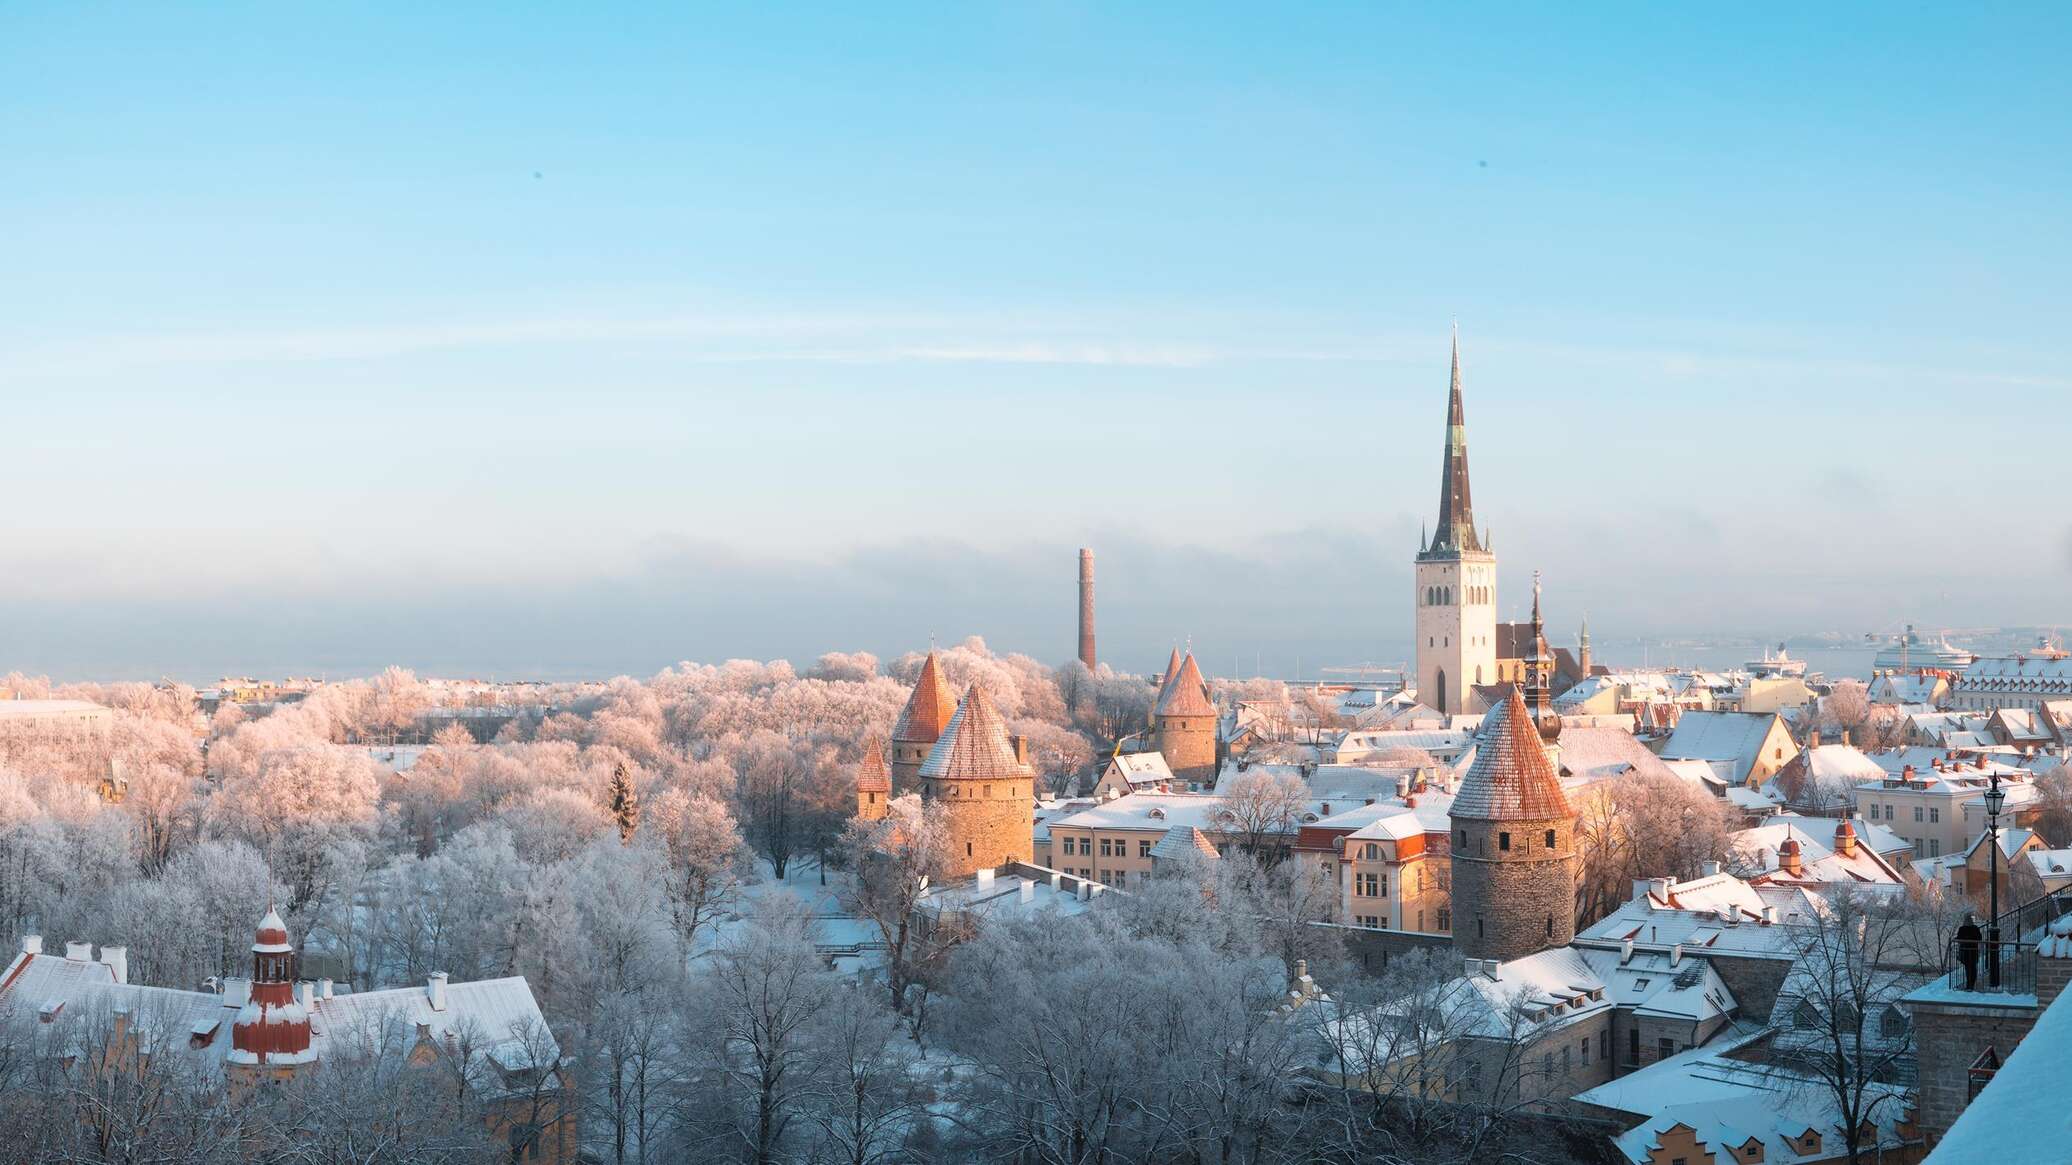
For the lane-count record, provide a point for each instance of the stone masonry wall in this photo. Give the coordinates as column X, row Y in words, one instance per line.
column 1948, row 1039
column 987, row 832
column 1510, row 903
column 1189, row 745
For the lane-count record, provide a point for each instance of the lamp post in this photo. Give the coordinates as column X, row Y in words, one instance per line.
column 1995, row 798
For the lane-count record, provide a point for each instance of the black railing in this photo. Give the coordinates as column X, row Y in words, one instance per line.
column 2004, row 967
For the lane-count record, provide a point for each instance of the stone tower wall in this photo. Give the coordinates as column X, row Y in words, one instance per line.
column 1456, row 635
column 987, row 832
column 1189, row 745
column 1512, row 894
column 906, row 757
column 871, row 805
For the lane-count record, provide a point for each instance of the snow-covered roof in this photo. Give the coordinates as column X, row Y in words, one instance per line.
column 52, row 709
column 1369, row 744
column 1720, row 736
column 1146, row 811
column 1716, row 914
column 1728, row 1103
column 1756, row 852
column 1598, row 754
column 1181, row 841
column 1140, row 768
column 498, row 1017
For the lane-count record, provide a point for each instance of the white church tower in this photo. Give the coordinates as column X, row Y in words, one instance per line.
column 1456, row 583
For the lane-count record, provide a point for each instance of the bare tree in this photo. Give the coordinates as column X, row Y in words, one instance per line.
column 894, row 860
column 1260, row 812
column 1856, row 959
column 769, row 986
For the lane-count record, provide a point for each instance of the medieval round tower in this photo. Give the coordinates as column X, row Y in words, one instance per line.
column 873, row 784
column 921, row 723
column 1185, row 725
column 1513, row 845
column 980, row 775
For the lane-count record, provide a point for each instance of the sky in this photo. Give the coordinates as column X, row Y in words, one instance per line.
column 568, row 340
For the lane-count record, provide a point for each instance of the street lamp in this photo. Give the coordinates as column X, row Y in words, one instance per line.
column 1996, row 797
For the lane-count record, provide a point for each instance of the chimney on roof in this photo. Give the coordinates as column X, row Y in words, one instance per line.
column 1846, row 742
column 116, row 959
column 1769, row 916
column 79, row 952
column 985, row 879
column 1813, row 739
column 32, row 944
column 1788, row 858
column 306, row 994
column 1026, row 891
column 435, row 990
column 1675, row 953
column 1021, row 748
column 1625, row 952
column 1845, row 838
column 1640, row 889
column 324, row 988
column 1907, row 774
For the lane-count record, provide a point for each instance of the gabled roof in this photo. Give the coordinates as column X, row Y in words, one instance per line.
column 975, row 745
column 928, row 710
column 1181, row 840
column 1512, row 779
column 1723, row 736
column 871, row 776
column 1186, row 695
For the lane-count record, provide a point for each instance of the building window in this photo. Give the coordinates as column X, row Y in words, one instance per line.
column 1633, row 1044
column 1934, row 814
column 1550, row 926
column 1917, row 814
column 1665, row 1048
column 1367, row 886
column 1445, row 920
column 1144, row 850
column 1503, row 841
column 1478, row 928
column 1550, row 839
column 1935, row 847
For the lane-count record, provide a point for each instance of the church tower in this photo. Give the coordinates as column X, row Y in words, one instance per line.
column 270, row 1038
column 921, row 723
column 1513, row 845
column 1456, row 582
column 980, row 775
column 1184, row 724
column 873, row 783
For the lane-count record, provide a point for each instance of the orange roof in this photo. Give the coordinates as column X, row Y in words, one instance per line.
column 871, row 776
column 975, row 746
column 1172, row 669
column 928, row 710
column 1186, row 695
column 1512, row 779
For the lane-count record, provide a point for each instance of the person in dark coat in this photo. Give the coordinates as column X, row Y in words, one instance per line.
column 1968, row 937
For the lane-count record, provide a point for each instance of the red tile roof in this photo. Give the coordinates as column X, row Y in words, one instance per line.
column 871, row 776
column 975, row 746
column 928, row 710
column 1512, row 778
column 1186, row 695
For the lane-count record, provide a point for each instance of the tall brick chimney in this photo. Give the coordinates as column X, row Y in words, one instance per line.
column 1086, row 607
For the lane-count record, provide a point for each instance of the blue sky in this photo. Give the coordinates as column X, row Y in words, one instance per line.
column 563, row 339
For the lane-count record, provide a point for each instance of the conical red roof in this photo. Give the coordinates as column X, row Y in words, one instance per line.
column 871, row 776
column 1186, row 695
column 1513, row 778
column 975, row 746
column 929, row 709
column 1172, row 671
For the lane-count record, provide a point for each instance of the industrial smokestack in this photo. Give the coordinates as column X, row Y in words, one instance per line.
column 1086, row 608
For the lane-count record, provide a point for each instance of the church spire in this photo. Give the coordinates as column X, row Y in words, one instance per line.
column 1456, row 530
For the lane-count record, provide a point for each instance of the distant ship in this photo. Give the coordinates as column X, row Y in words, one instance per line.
column 1911, row 652
column 1775, row 664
